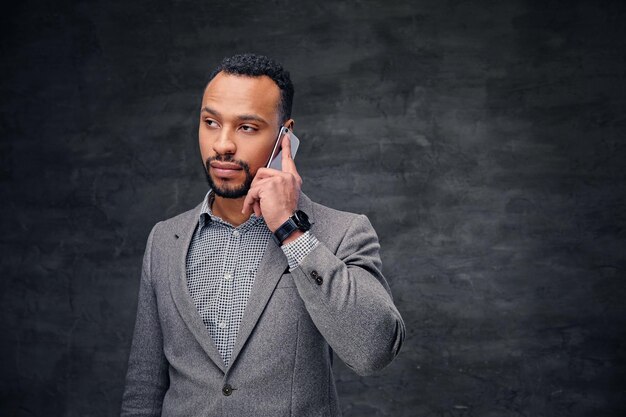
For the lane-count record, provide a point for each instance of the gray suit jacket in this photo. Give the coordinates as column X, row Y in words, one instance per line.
column 281, row 362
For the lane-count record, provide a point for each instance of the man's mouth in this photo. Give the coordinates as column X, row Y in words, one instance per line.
column 225, row 169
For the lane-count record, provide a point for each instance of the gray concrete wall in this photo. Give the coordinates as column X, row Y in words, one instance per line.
column 483, row 139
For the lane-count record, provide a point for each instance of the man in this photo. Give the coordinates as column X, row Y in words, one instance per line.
column 244, row 299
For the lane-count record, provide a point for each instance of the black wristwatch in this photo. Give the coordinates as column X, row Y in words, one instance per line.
column 299, row 221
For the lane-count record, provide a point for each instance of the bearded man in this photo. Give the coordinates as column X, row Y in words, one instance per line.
column 245, row 299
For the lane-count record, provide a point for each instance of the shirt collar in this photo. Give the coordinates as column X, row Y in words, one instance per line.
column 207, row 216
column 205, row 210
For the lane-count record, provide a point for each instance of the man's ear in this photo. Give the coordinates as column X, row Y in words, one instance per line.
column 290, row 123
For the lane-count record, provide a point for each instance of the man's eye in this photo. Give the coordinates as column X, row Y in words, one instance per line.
column 210, row 123
column 248, row 129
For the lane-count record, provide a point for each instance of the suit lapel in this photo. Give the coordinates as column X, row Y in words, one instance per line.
column 180, row 293
column 272, row 266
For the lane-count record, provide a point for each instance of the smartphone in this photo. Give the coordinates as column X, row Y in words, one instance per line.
column 276, row 160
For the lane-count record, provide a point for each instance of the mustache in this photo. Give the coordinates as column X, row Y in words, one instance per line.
column 226, row 158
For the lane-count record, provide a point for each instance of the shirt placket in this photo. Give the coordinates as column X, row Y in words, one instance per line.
column 224, row 322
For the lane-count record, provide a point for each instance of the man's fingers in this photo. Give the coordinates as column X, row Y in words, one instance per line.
column 267, row 177
column 287, row 161
column 264, row 173
column 250, row 199
column 286, row 146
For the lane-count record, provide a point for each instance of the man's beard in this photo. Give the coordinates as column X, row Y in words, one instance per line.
column 229, row 192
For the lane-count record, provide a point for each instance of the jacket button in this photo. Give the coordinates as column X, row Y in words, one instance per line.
column 227, row 390
column 314, row 274
column 319, row 280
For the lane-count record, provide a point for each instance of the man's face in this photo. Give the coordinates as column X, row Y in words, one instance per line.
column 239, row 121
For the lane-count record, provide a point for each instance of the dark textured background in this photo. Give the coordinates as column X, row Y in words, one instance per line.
column 486, row 141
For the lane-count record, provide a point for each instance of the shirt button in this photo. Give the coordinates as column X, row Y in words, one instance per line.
column 228, row 277
column 222, row 325
column 314, row 274
column 236, row 233
column 319, row 280
column 227, row 390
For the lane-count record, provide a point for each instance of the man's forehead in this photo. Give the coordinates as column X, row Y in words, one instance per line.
column 234, row 95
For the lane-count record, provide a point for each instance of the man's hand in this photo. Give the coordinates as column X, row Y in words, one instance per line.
column 274, row 194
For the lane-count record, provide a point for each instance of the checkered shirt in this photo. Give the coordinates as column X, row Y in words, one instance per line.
column 222, row 262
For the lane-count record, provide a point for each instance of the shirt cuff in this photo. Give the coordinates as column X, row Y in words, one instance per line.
column 297, row 250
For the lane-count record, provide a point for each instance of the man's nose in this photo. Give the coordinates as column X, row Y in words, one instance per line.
column 224, row 143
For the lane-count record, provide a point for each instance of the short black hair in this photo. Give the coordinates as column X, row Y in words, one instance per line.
column 253, row 65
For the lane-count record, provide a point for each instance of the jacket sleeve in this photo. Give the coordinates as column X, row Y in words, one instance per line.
column 349, row 300
column 147, row 375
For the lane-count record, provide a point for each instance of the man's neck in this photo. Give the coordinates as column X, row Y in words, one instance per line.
column 229, row 209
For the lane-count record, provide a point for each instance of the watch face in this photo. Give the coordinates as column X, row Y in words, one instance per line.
column 302, row 220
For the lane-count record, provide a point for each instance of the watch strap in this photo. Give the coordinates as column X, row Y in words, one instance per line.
column 284, row 231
